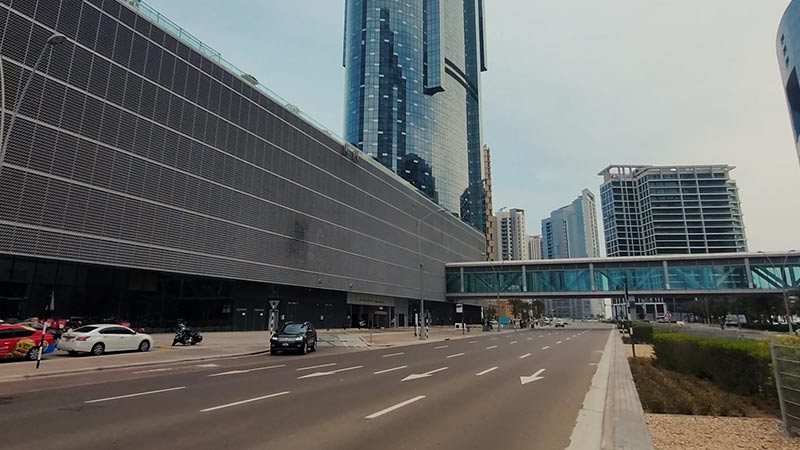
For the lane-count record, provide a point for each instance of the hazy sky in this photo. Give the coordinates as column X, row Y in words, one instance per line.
column 572, row 86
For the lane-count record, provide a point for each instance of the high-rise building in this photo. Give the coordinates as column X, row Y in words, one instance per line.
column 652, row 210
column 512, row 239
column 491, row 228
column 571, row 231
column 535, row 247
column 149, row 178
column 412, row 94
column 788, row 47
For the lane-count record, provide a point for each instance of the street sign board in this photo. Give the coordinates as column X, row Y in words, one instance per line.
column 459, row 308
column 273, row 304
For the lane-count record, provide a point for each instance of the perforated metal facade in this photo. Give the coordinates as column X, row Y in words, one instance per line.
column 133, row 148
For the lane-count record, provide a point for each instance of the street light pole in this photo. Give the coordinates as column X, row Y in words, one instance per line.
column 784, row 287
column 52, row 41
column 423, row 331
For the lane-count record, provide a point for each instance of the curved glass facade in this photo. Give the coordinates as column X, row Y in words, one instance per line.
column 788, row 49
column 412, row 94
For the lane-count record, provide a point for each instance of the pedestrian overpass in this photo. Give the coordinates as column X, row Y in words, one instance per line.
column 662, row 276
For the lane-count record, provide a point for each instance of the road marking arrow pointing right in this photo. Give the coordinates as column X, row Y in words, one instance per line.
column 534, row 377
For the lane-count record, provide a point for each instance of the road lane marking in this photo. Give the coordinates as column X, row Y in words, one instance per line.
column 316, row 367
column 207, row 365
column 525, row 356
column 545, row 347
column 558, row 342
column 486, row 371
column 153, row 370
column 389, row 370
column 512, row 342
column 492, row 339
column 237, row 372
column 530, row 338
column 491, row 347
column 322, row 374
column 534, row 377
column 441, row 346
column 397, row 406
column 415, row 376
column 567, row 339
column 453, row 356
column 393, row 354
column 242, row 402
column 472, row 342
column 135, row 395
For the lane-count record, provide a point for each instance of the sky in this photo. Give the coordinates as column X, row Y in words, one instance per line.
column 572, row 87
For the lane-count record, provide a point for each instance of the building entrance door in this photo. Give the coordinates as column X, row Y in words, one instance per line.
column 240, row 319
column 259, row 320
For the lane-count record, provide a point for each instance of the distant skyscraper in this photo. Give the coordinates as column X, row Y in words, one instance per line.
column 535, row 247
column 512, row 240
column 571, row 231
column 413, row 91
column 649, row 210
column 486, row 178
column 788, row 56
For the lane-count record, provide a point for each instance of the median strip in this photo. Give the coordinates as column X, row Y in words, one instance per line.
column 242, row 402
column 397, row 406
column 139, row 394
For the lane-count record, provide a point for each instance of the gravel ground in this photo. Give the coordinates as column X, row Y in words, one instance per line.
column 642, row 350
column 673, row 432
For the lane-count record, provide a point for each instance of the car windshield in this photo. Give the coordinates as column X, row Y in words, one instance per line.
column 86, row 329
column 293, row 328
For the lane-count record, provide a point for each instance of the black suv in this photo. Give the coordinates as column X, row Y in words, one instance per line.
column 294, row 336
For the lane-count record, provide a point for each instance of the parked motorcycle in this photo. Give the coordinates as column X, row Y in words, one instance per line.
column 187, row 336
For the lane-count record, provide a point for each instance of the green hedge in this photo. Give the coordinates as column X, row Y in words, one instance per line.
column 642, row 333
column 741, row 366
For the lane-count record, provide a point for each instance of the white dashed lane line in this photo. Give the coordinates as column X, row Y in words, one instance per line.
column 242, row 402
column 491, row 347
column 486, row 371
column 316, row 367
column 397, row 406
column 453, row 356
column 525, row 356
column 138, row 394
column 389, row 370
column 393, row 354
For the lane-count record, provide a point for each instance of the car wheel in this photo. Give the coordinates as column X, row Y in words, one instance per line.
column 98, row 349
column 273, row 352
column 305, row 347
column 144, row 346
column 33, row 354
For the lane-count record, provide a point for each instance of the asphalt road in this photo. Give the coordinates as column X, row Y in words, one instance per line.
column 511, row 391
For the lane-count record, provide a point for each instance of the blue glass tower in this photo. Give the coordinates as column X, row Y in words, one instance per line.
column 412, row 96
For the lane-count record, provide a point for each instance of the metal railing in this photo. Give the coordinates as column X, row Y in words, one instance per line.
column 786, row 367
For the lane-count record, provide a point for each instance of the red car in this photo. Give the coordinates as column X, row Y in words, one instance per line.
column 17, row 341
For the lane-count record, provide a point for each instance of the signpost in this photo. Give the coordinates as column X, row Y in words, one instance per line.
column 273, row 315
column 460, row 309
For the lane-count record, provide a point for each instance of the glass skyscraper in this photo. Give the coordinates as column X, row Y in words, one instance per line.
column 412, row 94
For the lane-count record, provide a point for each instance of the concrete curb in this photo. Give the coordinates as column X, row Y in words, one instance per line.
column 125, row 366
column 588, row 431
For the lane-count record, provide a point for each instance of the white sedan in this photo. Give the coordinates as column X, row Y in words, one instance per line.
column 101, row 338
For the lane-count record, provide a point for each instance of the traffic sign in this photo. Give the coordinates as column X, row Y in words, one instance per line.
column 273, row 304
column 459, row 308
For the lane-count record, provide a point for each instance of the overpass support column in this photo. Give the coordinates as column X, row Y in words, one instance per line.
column 749, row 274
column 665, row 267
column 461, row 273
column 591, row 277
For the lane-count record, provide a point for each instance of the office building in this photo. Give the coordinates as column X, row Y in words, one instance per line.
column 412, row 95
column 491, row 227
column 571, row 231
column 654, row 210
column 150, row 179
column 788, row 48
column 512, row 239
column 535, row 247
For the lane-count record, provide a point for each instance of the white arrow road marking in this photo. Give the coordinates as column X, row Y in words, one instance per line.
column 388, row 370
column 491, row 347
column 250, row 400
column 322, row 374
column 486, row 371
column 441, row 346
column 453, row 356
column 525, row 356
column 207, row 365
column 393, row 354
column 414, row 376
column 397, row 406
column 534, row 377
column 512, row 342
column 153, row 370
column 236, row 372
column 545, row 347
column 316, row 367
column 135, row 395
